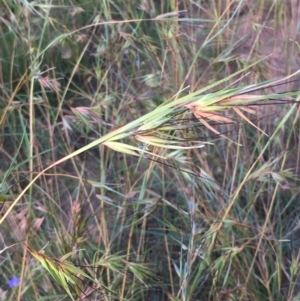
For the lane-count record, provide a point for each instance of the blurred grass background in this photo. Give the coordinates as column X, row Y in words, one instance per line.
column 72, row 71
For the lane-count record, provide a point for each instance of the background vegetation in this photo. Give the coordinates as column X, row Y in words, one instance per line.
column 220, row 222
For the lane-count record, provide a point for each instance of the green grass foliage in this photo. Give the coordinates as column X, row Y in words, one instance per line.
column 149, row 150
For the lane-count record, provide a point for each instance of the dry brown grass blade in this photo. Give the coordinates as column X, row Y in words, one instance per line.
column 237, row 100
column 238, row 111
column 200, row 118
column 248, row 110
column 199, row 113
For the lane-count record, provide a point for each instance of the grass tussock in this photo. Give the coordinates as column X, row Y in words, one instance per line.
column 149, row 150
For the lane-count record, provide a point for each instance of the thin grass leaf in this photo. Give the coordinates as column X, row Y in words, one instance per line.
column 128, row 149
column 238, row 111
column 163, row 143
